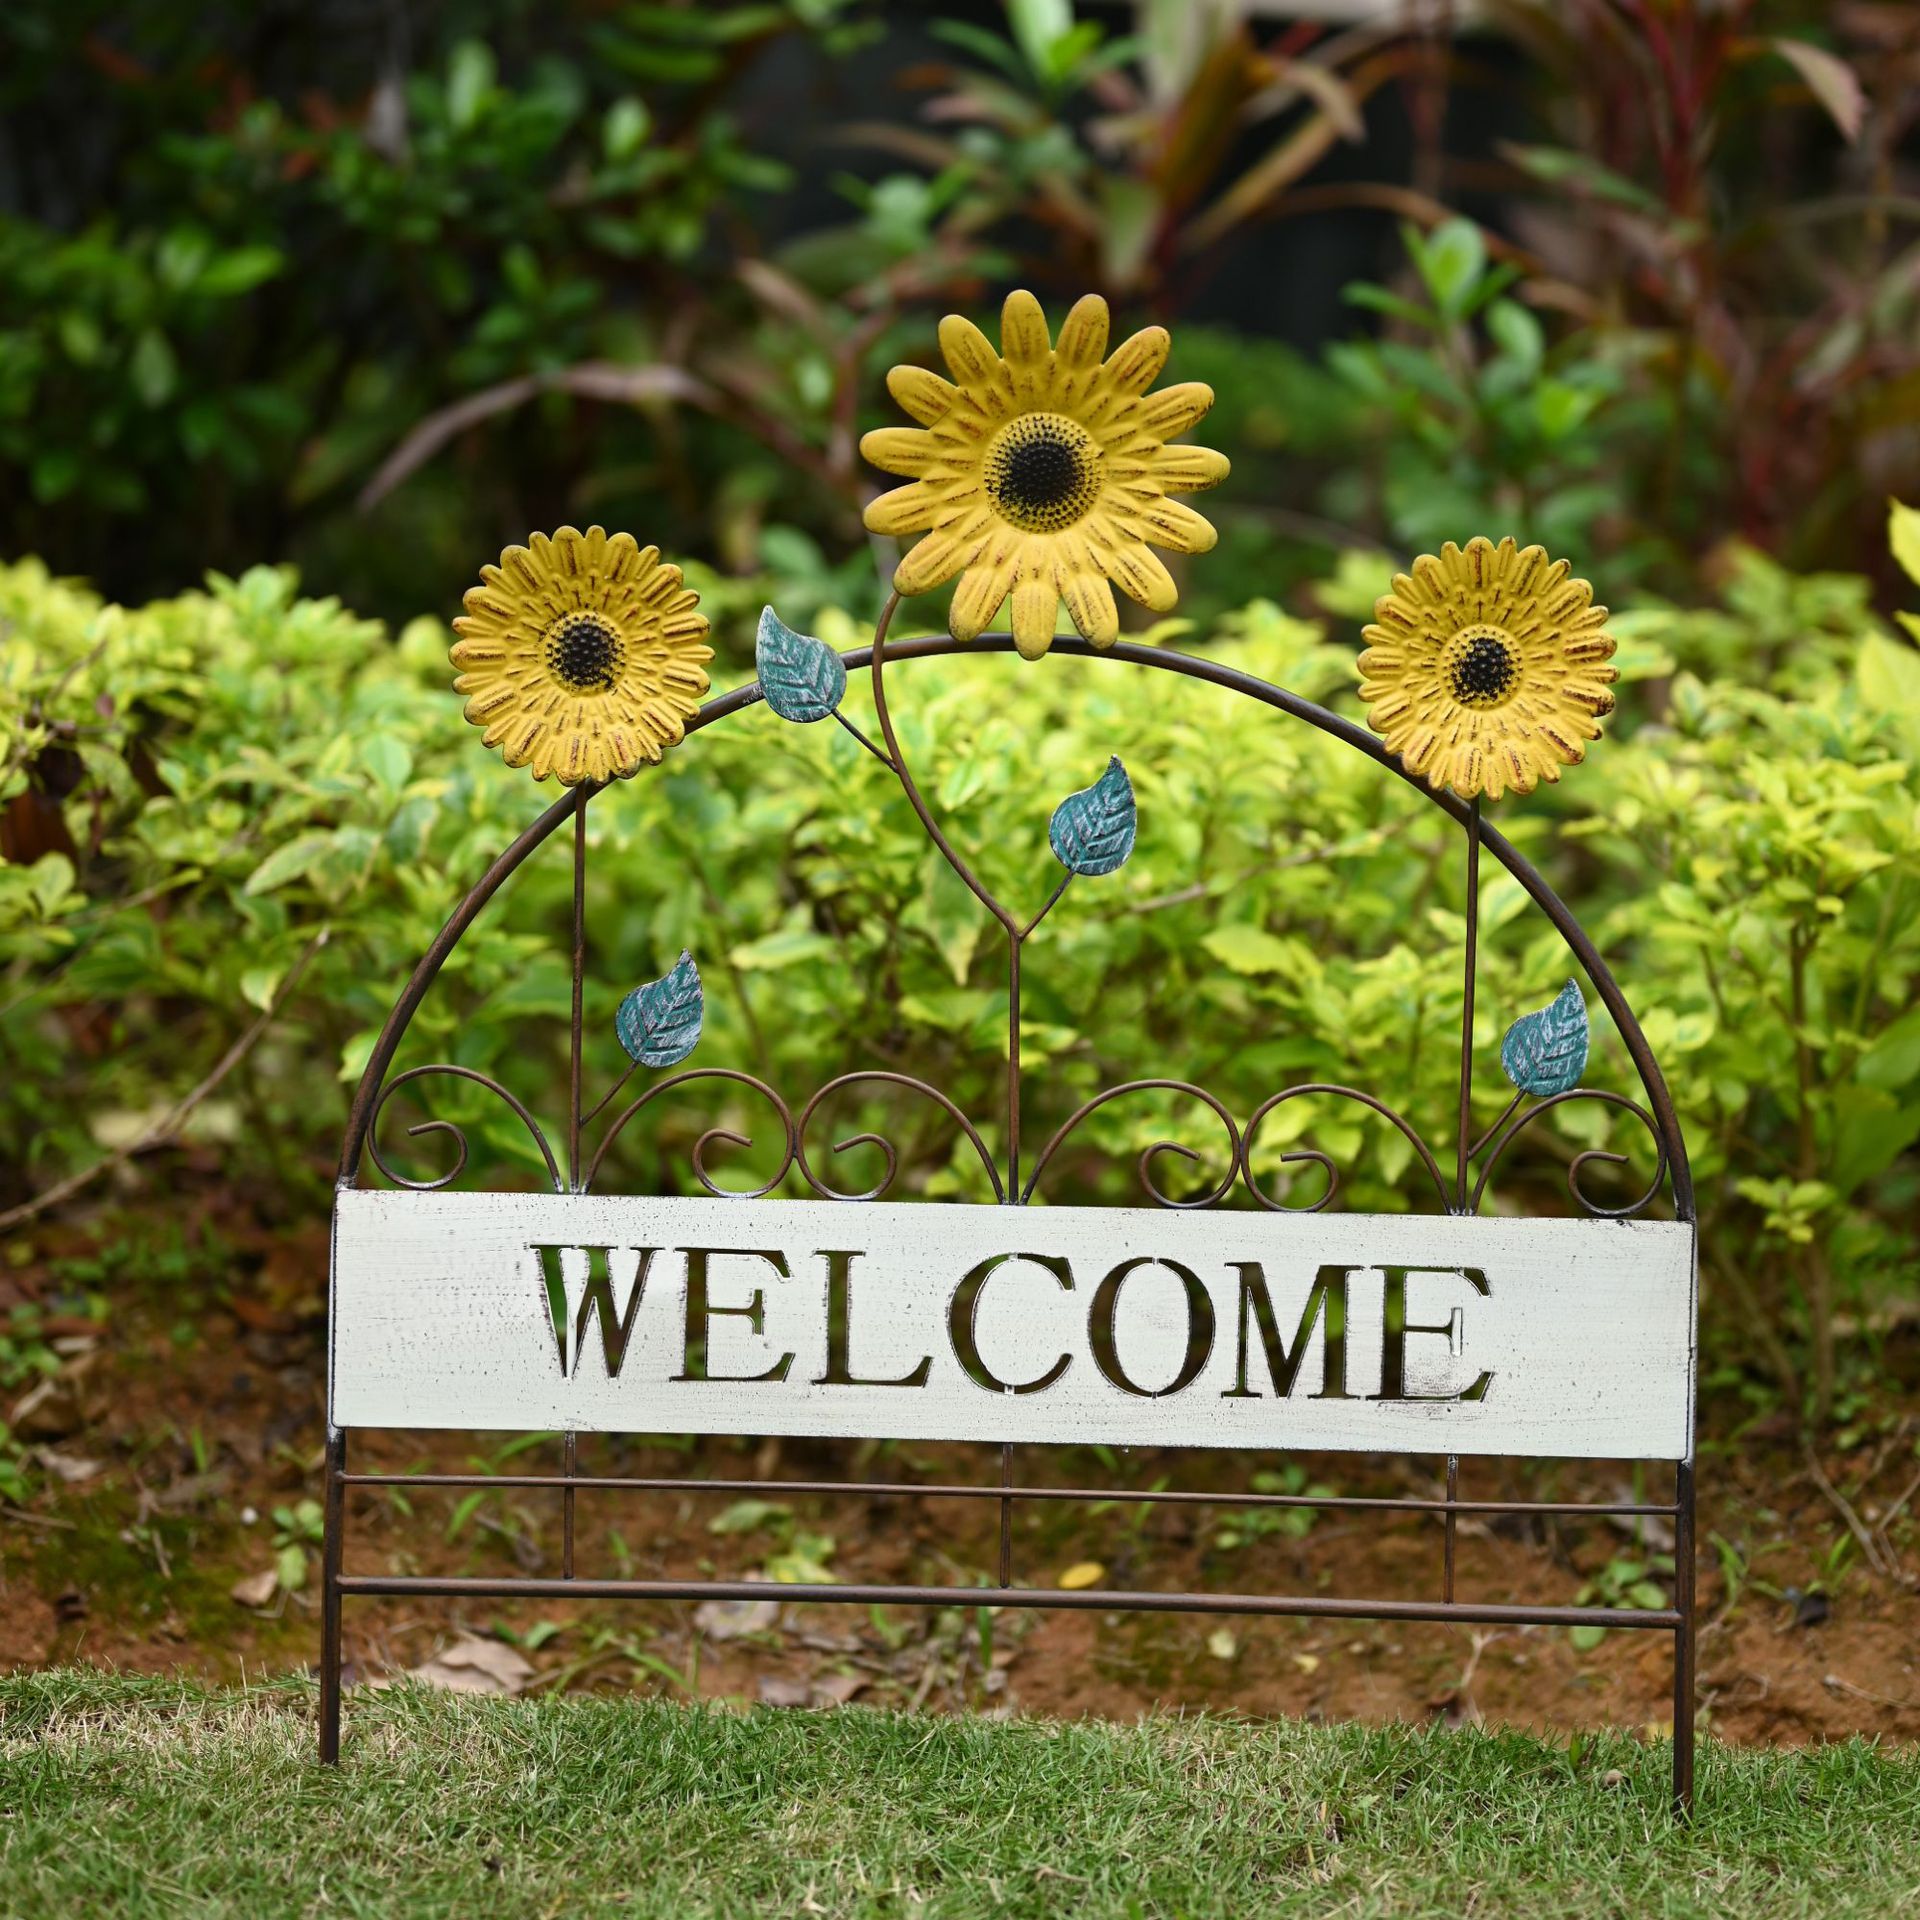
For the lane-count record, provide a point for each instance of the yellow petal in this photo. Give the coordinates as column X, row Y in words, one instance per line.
column 900, row 450
column 978, row 598
column 1189, row 469
column 623, row 557
column 518, row 570
column 968, row 352
column 1090, row 603
column 541, row 754
column 905, row 510
column 1136, row 362
column 1142, row 576
column 937, row 558
column 1174, row 409
column 1083, row 335
column 924, row 395
column 1023, row 330
column 1035, row 606
column 1172, row 523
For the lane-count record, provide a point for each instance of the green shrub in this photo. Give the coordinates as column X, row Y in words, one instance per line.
column 240, row 803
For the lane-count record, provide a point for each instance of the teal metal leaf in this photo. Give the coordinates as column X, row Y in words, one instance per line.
column 1092, row 831
column 1545, row 1053
column 659, row 1023
column 803, row 678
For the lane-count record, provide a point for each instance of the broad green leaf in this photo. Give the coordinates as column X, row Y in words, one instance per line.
column 258, row 984
column 240, row 271
column 290, row 1568
column 293, row 861
column 1036, row 25
column 625, row 128
column 388, row 758
column 744, row 1516
column 50, row 880
column 1903, row 535
column 948, row 914
column 1894, row 1058
column 1245, row 949
column 470, row 77
column 659, row 1023
column 153, row 369
column 1545, row 1052
column 786, row 947
column 1889, row 681
column 1517, row 333
column 1451, row 260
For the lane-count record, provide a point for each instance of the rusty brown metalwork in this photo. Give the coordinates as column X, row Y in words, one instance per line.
column 1463, row 1193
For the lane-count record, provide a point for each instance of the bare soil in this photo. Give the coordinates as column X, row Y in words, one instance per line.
column 181, row 1426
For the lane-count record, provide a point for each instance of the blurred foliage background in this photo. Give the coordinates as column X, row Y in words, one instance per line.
column 338, row 299
column 372, row 287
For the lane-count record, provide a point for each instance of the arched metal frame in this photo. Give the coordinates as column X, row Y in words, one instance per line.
column 1658, row 1117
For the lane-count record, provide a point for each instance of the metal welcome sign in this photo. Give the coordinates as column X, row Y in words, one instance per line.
column 1226, row 1319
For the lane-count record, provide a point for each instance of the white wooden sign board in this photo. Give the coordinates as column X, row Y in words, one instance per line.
column 1122, row 1326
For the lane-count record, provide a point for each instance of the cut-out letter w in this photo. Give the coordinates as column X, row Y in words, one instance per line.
column 596, row 1302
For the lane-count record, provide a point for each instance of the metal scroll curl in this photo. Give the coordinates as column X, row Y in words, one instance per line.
column 879, row 1076
column 1422, row 1151
column 713, row 1136
column 451, row 1128
column 1153, row 1149
column 1509, row 1127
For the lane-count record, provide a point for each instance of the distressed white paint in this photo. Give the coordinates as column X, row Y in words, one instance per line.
column 441, row 1319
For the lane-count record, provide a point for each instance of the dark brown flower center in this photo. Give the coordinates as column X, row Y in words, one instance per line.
column 1482, row 666
column 1043, row 472
column 584, row 652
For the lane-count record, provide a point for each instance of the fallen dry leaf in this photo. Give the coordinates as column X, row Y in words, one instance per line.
column 257, row 1589
column 58, row 1406
column 722, row 1620
column 836, row 1689
column 1307, row 1662
column 1222, row 1644
column 477, row 1666
column 69, row 1467
column 1083, row 1573
column 778, row 1691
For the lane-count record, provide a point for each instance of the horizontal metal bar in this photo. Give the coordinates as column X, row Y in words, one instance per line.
column 908, row 1490
column 1094, row 1600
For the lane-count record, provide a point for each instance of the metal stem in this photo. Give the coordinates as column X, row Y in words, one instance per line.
column 1466, row 1012
column 334, row 1512
column 1684, row 1651
column 897, row 756
column 579, row 987
column 1014, row 942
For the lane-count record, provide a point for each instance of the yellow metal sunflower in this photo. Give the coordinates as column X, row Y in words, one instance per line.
column 581, row 655
column 1042, row 471
column 1488, row 668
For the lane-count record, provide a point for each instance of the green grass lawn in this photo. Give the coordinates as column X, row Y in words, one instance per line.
column 121, row 1795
